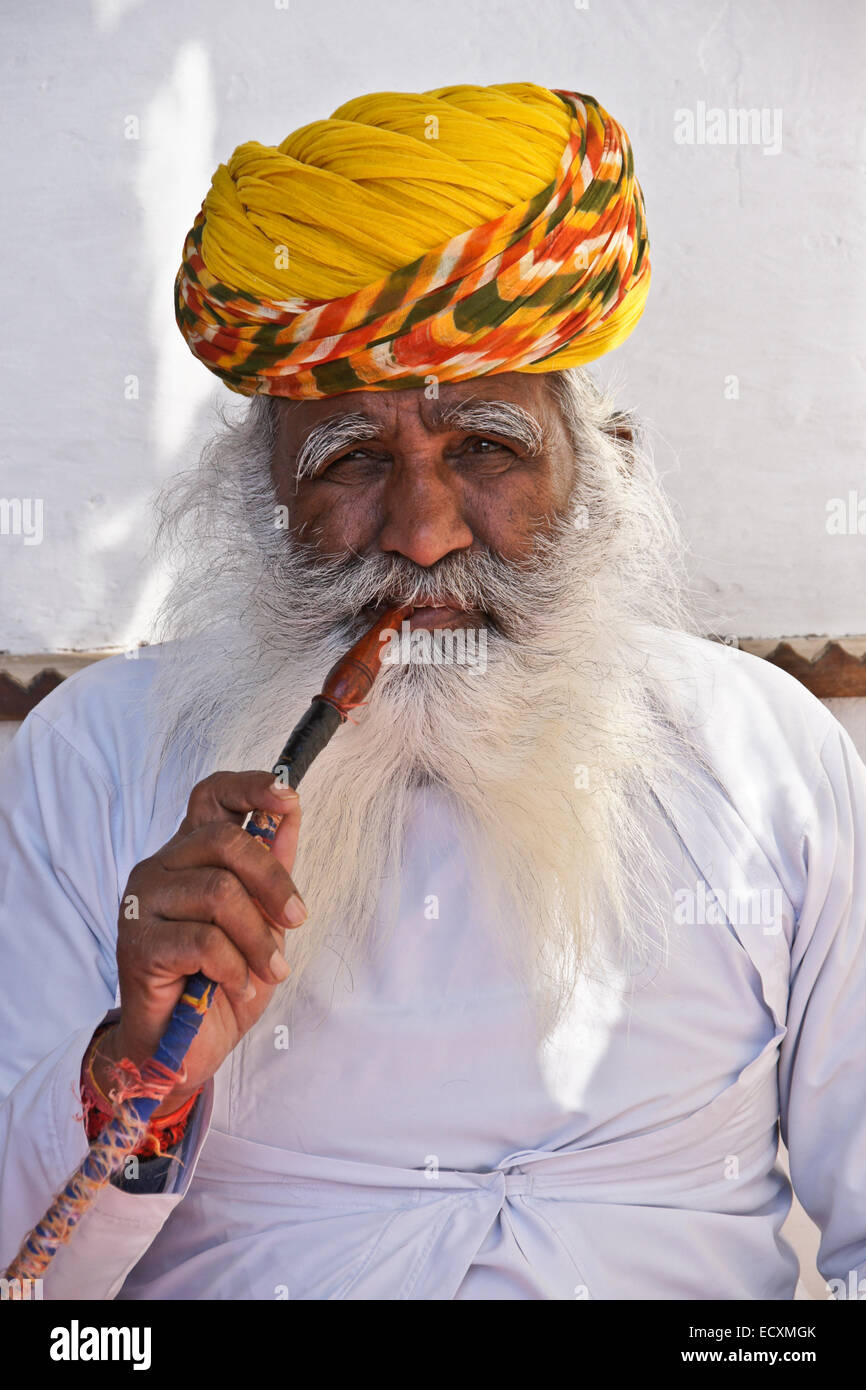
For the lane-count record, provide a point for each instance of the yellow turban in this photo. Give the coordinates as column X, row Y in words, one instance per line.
column 445, row 234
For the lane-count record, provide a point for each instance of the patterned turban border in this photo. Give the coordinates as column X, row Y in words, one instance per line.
column 556, row 282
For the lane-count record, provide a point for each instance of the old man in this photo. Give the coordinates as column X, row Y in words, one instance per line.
column 552, row 942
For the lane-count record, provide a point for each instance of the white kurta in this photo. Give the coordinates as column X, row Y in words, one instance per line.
column 413, row 1141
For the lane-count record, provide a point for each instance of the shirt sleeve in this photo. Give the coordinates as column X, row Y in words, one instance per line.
column 59, row 900
column 822, row 1068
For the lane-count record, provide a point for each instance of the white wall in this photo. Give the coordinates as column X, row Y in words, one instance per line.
column 757, row 265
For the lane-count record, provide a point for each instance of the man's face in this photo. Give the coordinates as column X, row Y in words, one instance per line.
column 485, row 466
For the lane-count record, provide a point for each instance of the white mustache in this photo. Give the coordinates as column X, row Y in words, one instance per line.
column 343, row 591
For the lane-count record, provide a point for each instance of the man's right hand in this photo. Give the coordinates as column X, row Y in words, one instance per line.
column 212, row 899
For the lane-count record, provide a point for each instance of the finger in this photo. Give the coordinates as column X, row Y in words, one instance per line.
column 285, row 845
column 230, row 796
column 217, row 895
column 262, row 875
column 176, row 950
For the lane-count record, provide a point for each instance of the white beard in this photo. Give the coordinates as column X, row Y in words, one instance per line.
column 549, row 759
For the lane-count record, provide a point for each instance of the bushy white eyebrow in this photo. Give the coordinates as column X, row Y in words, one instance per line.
column 486, row 417
column 496, row 417
column 326, row 438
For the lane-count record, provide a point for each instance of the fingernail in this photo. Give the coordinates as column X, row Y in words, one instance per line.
column 249, row 992
column 295, row 911
column 280, row 789
column 279, row 966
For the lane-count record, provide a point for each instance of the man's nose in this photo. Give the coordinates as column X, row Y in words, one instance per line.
column 423, row 513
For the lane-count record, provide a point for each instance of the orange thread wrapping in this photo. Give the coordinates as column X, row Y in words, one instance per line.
column 109, row 1150
column 131, row 1082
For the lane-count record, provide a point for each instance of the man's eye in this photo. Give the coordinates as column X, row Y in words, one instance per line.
column 355, row 456
column 487, row 447
column 358, row 465
column 344, row 458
